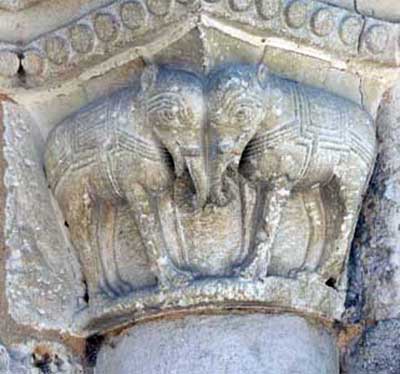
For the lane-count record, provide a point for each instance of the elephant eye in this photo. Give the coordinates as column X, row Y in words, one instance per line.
column 167, row 108
column 246, row 113
column 243, row 107
column 168, row 115
column 242, row 114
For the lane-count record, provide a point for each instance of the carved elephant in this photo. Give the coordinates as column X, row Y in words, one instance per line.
column 128, row 149
column 283, row 137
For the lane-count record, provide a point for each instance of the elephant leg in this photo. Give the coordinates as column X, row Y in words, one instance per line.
column 105, row 227
column 248, row 210
column 145, row 208
column 265, row 237
column 315, row 210
column 78, row 208
column 351, row 187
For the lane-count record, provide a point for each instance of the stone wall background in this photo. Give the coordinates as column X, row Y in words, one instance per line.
column 29, row 350
column 373, row 302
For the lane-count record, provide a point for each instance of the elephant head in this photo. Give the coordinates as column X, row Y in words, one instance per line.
column 174, row 101
column 236, row 107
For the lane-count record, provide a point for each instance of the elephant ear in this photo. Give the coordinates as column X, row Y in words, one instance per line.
column 149, row 77
column 262, row 74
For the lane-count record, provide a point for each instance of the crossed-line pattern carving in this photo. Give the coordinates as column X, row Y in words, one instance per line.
column 314, row 133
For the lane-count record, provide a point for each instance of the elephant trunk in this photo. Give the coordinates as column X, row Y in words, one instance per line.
column 227, row 155
column 218, row 169
column 190, row 158
column 198, row 173
column 179, row 162
column 219, row 194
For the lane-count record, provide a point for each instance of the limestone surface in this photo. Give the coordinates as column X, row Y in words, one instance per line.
column 377, row 352
column 33, row 357
column 234, row 344
column 165, row 158
column 183, row 155
column 377, row 243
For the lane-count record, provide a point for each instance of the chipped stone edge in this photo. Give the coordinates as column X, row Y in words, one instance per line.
column 14, row 6
column 305, row 297
column 50, row 69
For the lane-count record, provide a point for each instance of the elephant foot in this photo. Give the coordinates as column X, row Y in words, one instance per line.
column 258, row 268
column 170, row 277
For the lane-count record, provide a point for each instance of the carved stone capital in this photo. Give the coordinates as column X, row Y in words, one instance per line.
column 233, row 190
column 175, row 169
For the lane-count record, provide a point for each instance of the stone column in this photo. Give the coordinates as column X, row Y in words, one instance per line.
column 236, row 343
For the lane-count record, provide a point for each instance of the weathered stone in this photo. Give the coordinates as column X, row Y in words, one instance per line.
column 222, row 344
column 374, row 272
column 350, row 30
column 159, row 7
column 97, row 200
column 314, row 72
column 82, row 38
column 35, row 357
column 43, row 281
column 268, row 9
column 17, row 4
column 240, row 5
column 377, row 352
column 385, row 9
column 323, row 22
column 133, row 25
column 296, row 14
column 261, row 161
column 349, row 4
column 198, row 156
column 133, row 15
column 57, row 50
column 4, row 360
column 138, row 145
column 376, row 38
column 106, row 27
column 33, row 63
column 378, row 233
column 9, row 63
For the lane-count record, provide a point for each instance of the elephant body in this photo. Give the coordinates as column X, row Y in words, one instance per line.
column 96, row 160
column 309, row 137
column 283, row 138
column 126, row 150
column 109, row 148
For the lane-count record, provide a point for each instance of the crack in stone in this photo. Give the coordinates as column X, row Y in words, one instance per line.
column 359, row 41
column 356, row 6
column 360, row 90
